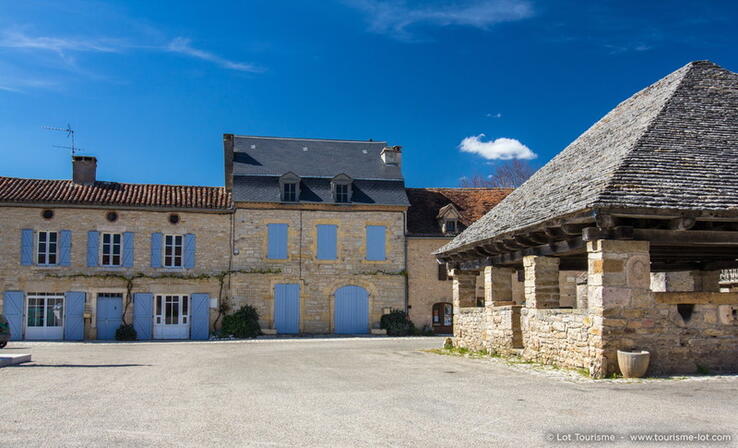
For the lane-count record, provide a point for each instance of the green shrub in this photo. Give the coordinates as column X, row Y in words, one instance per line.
column 125, row 332
column 397, row 324
column 244, row 323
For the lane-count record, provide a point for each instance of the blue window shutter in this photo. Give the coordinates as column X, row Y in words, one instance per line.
column 93, row 244
column 128, row 246
column 13, row 307
column 277, row 241
column 156, row 239
column 74, row 322
column 327, row 241
column 190, row 248
column 200, row 326
column 65, row 247
column 375, row 243
column 26, row 252
column 143, row 315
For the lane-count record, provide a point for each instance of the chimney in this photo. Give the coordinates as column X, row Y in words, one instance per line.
column 392, row 155
column 84, row 169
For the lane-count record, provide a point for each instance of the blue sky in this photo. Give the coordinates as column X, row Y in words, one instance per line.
column 151, row 87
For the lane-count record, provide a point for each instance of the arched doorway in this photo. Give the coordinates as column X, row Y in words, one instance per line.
column 443, row 318
column 351, row 315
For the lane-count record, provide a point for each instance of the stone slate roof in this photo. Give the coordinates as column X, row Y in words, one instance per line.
column 258, row 162
column 672, row 146
column 65, row 192
column 472, row 204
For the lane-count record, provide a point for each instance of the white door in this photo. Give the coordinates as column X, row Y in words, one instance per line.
column 45, row 316
column 172, row 317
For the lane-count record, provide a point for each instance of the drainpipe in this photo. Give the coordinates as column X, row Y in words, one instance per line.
column 407, row 282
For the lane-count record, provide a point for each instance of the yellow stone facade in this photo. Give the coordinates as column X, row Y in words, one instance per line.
column 212, row 232
column 318, row 279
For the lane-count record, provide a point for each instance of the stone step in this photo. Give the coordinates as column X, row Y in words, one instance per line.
column 9, row 360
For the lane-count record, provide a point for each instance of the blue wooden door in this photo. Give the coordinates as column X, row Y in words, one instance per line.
column 287, row 308
column 200, row 320
column 143, row 316
column 74, row 322
column 109, row 315
column 13, row 311
column 352, row 310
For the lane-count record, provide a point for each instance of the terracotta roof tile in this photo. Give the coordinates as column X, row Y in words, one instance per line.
column 472, row 204
column 40, row 191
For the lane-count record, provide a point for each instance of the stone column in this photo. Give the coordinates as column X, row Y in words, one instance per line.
column 497, row 286
column 619, row 294
column 464, row 289
column 541, row 282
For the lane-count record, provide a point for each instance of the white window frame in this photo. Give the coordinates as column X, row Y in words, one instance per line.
column 455, row 223
column 47, row 253
column 173, row 262
column 160, row 308
column 345, row 193
column 293, row 186
column 45, row 297
column 112, row 245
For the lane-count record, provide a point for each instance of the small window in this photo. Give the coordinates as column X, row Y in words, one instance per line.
column 47, row 214
column 46, row 253
column 111, row 249
column 450, row 226
column 173, row 251
column 442, row 272
column 112, row 216
column 289, row 192
column 174, row 218
column 342, row 193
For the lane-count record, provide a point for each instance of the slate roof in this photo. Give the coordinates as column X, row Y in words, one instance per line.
column 65, row 192
column 472, row 204
column 258, row 162
column 673, row 145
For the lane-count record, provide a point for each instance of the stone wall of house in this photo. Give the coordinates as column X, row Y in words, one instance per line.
column 318, row 279
column 424, row 287
column 212, row 241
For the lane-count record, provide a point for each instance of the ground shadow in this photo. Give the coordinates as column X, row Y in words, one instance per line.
column 81, row 365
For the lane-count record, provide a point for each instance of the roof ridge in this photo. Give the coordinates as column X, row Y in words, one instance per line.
column 310, row 139
column 109, row 182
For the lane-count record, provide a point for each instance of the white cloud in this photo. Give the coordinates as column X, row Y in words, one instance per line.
column 491, row 115
column 393, row 17
column 15, row 39
column 499, row 149
column 183, row 45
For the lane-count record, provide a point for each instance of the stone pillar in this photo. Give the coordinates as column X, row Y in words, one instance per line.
column 464, row 289
column 541, row 282
column 498, row 286
column 619, row 291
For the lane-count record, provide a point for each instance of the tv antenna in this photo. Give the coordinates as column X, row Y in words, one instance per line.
column 70, row 134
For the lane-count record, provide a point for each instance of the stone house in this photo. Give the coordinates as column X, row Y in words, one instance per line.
column 80, row 256
column 318, row 232
column 643, row 208
column 435, row 217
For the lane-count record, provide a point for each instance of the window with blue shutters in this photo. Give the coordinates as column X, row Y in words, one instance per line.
column 190, row 250
column 327, row 242
column 277, row 241
column 46, row 248
column 376, row 243
column 112, row 249
column 173, row 251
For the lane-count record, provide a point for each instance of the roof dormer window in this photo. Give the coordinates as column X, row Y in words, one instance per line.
column 289, row 185
column 449, row 226
column 341, row 186
column 448, row 219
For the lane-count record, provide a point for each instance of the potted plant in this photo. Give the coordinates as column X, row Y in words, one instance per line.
column 633, row 363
